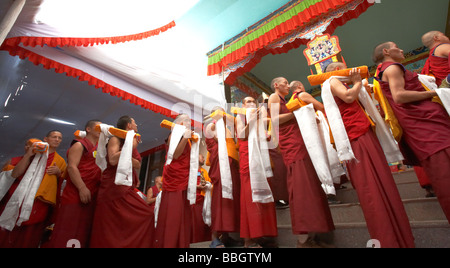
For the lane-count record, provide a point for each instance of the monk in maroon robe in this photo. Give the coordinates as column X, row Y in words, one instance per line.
column 122, row 218
column 174, row 225
column 257, row 219
column 308, row 203
column 437, row 63
column 152, row 192
column 76, row 212
column 425, row 124
column 225, row 213
column 370, row 174
column 30, row 233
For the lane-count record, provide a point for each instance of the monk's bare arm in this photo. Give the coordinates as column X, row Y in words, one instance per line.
column 181, row 145
column 23, row 164
column 113, row 151
column 306, row 97
column 394, row 75
column 340, row 90
column 442, row 51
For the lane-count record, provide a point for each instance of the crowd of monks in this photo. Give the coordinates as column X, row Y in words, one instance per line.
column 247, row 175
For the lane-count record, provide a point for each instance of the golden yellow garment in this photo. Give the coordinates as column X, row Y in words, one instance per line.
column 49, row 186
column 232, row 148
column 207, row 178
column 389, row 115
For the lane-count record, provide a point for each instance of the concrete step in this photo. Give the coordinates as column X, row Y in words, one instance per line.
column 420, row 209
column 407, row 185
column 407, row 190
column 427, row 234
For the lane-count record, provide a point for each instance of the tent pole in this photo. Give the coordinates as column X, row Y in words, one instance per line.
column 10, row 18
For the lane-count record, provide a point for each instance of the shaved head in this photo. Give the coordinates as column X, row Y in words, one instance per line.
column 276, row 81
column 428, row 38
column 378, row 54
column 335, row 65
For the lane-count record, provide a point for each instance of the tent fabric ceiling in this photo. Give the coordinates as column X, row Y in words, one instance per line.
column 145, row 87
column 36, row 100
column 30, row 95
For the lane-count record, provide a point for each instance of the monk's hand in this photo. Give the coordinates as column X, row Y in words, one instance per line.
column 355, row 76
column 85, row 195
column 30, row 151
column 53, row 170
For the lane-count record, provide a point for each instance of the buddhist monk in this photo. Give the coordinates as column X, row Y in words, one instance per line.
column 174, row 225
column 76, row 212
column 307, row 200
column 30, row 232
column 437, row 64
column 426, row 124
column 225, row 212
column 298, row 90
column 200, row 231
column 370, row 173
column 122, row 218
column 257, row 219
column 153, row 191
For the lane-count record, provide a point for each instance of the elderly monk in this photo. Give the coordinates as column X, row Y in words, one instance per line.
column 76, row 212
column 298, row 90
column 370, row 173
column 30, row 232
column 307, row 200
column 437, row 64
column 425, row 124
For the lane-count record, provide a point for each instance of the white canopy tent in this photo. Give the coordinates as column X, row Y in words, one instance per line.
column 157, row 69
column 135, row 52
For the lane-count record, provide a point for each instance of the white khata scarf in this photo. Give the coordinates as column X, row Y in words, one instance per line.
column 124, row 172
column 443, row 93
column 100, row 158
column 5, row 182
column 177, row 133
column 22, row 200
column 259, row 161
column 344, row 149
column 336, row 168
column 224, row 163
column 206, row 212
column 306, row 119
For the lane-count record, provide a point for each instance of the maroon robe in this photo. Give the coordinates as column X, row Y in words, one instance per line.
column 257, row 219
column 307, row 201
column 122, row 218
column 225, row 213
column 426, row 134
column 200, row 231
column 372, row 178
column 173, row 228
column 74, row 219
column 31, row 232
column 439, row 67
column 278, row 183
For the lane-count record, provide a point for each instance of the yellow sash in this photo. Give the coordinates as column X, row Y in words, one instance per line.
column 389, row 117
column 49, row 186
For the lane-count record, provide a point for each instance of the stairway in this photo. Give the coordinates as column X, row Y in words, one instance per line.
column 429, row 225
